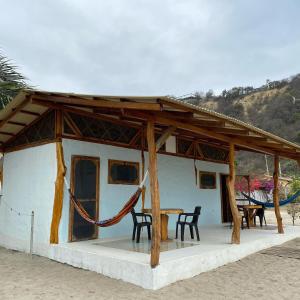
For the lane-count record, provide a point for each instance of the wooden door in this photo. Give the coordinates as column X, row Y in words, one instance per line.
column 85, row 187
column 226, row 211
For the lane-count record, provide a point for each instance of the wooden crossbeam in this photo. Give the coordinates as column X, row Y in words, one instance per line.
column 72, row 124
column 166, row 134
column 76, row 101
column 136, row 137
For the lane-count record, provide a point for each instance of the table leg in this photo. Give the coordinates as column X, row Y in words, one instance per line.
column 164, row 219
column 251, row 218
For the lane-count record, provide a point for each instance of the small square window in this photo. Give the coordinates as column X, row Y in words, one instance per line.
column 123, row 172
column 207, row 180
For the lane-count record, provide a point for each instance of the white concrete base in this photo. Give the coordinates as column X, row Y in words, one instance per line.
column 214, row 250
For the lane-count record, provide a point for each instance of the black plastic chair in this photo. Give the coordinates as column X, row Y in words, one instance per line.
column 260, row 213
column 137, row 226
column 192, row 224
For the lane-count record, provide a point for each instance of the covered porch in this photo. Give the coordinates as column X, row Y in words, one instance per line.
column 122, row 258
column 151, row 127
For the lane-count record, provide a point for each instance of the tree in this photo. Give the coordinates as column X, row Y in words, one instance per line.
column 11, row 81
column 209, row 93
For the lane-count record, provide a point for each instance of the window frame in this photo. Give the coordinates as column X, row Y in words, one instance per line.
column 201, row 173
column 111, row 162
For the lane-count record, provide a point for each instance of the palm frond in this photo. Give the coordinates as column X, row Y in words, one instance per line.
column 11, row 81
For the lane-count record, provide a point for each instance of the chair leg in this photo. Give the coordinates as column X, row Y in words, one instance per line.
column 138, row 234
column 247, row 222
column 265, row 221
column 133, row 232
column 176, row 230
column 261, row 221
column 149, row 232
column 197, row 233
column 182, row 232
column 192, row 232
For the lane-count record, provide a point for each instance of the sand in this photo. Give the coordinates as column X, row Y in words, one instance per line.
column 259, row 276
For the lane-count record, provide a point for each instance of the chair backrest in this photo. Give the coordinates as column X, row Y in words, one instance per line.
column 260, row 212
column 134, row 218
column 197, row 211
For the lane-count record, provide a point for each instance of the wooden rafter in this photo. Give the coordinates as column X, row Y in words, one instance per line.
column 233, row 122
column 83, row 112
column 76, row 101
column 209, row 133
column 31, row 113
column 25, row 128
column 7, row 133
column 14, row 112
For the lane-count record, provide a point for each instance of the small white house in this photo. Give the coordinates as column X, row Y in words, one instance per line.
column 105, row 151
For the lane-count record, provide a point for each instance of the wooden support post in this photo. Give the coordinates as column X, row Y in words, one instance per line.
column 235, row 238
column 276, row 194
column 143, row 167
column 58, row 123
column 59, row 193
column 154, row 189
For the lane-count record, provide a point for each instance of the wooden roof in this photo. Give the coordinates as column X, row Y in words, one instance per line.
column 190, row 120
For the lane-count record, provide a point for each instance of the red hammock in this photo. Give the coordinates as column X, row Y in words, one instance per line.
column 112, row 221
column 118, row 217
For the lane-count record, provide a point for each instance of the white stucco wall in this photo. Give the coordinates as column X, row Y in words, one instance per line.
column 28, row 185
column 176, row 182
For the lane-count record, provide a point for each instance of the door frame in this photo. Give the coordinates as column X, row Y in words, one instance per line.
column 221, row 195
column 74, row 159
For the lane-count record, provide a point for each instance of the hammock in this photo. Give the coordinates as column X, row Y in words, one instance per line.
column 271, row 204
column 130, row 204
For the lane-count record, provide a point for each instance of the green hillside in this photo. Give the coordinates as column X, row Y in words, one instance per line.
column 274, row 107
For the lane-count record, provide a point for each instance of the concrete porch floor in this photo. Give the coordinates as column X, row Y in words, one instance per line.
column 120, row 258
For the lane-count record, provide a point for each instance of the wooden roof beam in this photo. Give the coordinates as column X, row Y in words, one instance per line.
column 76, row 101
column 227, row 120
column 208, row 133
column 83, row 113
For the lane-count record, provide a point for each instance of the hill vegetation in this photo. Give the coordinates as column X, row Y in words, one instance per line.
column 274, row 107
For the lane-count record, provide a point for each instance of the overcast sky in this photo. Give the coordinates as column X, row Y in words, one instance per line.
column 155, row 47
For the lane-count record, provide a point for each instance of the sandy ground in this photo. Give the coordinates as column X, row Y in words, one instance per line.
column 286, row 218
column 258, row 276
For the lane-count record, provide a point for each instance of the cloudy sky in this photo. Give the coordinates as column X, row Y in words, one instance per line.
column 150, row 47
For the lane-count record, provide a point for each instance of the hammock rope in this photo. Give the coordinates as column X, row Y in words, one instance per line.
column 271, row 204
column 118, row 217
